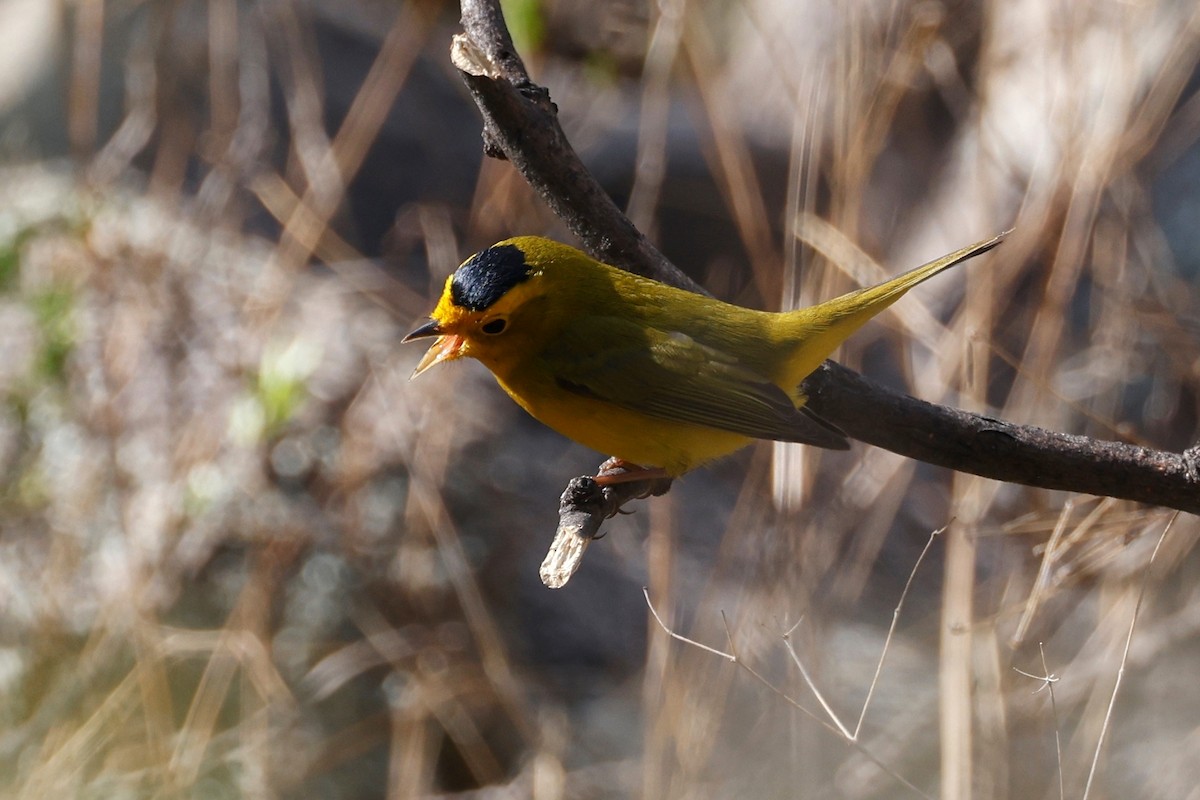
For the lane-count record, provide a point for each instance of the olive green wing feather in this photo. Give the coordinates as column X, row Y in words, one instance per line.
column 670, row 375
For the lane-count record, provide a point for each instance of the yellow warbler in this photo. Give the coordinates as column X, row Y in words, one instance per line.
column 660, row 378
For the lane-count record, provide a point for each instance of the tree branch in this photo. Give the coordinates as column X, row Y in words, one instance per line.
column 521, row 125
column 993, row 448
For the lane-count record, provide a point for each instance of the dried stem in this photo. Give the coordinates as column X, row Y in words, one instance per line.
column 833, row 724
column 1112, row 700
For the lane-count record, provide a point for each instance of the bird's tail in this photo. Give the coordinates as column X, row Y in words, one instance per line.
column 816, row 331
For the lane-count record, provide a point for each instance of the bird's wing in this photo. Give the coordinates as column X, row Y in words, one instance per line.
column 672, row 376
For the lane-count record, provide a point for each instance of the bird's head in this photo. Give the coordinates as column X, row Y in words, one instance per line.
column 494, row 306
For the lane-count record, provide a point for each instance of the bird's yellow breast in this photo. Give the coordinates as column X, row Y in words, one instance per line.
column 629, row 435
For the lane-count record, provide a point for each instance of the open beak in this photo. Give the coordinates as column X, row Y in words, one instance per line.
column 448, row 346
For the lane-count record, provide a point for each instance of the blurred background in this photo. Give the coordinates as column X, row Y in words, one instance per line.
column 242, row 556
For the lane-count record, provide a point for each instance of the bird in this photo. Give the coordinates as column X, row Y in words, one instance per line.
column 662, row 379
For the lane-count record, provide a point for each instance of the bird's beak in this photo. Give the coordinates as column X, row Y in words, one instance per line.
column 448, row 346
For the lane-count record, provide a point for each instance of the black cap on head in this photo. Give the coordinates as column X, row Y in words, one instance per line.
column 486, row 276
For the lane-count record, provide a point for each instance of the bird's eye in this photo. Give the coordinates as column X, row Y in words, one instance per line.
column 495, row 326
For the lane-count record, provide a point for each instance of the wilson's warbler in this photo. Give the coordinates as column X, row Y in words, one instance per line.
column 660, row 378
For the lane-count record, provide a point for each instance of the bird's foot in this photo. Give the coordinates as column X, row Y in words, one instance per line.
column 616, row 470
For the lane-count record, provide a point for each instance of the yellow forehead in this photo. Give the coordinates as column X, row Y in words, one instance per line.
column 451, row 315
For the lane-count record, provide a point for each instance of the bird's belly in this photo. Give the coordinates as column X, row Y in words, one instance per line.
column 627, row 434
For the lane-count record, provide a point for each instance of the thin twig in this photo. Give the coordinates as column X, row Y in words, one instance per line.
column 882, row 655
column 1048, row 679
column 680, row 637
column 892, row 629
column 1112, row 700
column 837, row 730
column 812, row 687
